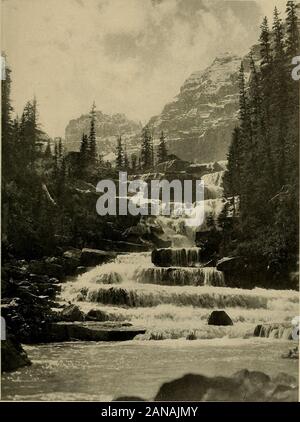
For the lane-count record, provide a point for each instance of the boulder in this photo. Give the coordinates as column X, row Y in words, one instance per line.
column 292, row 353
column 13, row 355
column 96, row 315
column 72, row 313
column 243, row 386
column 91, row 257
column 219, row 318
column 193, row 387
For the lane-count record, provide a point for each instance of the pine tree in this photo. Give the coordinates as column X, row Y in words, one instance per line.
column 292, row 49
column 146, row 151
column 162, row 153
column 120, row 154
column 292, row 30
column 6, row 125
column 279, row 102
column 29, row 134
column 84, row 155
column 232, row 176
column 152, row 150
column 92, row 136
column 265, row 43
column 84, row 145
column 126, row 160
column 246, row 148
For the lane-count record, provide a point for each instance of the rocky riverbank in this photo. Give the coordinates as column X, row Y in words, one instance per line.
column 28, row 302
column 242, row 386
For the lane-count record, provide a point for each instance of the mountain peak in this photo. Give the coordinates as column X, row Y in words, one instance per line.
column 200, row 120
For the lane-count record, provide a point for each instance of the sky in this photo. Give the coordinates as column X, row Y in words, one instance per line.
column 129, row 56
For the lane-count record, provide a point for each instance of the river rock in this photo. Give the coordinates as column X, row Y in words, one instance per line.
column 91, row 257
column 292, row 353
column 242, row 386
column 219, row 318
column 193, row 387
column 96, row 315
column 13, row 355
column 72, row 313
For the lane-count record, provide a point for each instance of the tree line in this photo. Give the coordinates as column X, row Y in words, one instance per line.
column 145, row 160
column 262, row 179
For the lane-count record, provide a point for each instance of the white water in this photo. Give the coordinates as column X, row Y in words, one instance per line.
column 175, row 301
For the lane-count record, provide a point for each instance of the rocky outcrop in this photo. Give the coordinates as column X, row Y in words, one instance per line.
column 108, row 127
column 72, row 313
column 256, row 271
column 13, row 355
column 199, row 121
column 242, row 386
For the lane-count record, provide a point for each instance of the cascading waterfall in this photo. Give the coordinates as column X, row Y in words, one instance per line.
column 172, row 294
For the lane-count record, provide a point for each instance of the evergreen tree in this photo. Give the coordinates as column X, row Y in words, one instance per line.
column 84, row 147
column 6, row 125
column 232, row 176
column 292, row 30
column 162, row 153
column 126, row 160
column 279, row 102
column 84, row 155
column 29, row 134
column 265, row 43
column 120, row 154
column 92, row 136
column 146, row 151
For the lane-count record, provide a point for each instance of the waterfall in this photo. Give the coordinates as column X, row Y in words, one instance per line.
column 181, row 276
column 171, row 293
column 177, row 257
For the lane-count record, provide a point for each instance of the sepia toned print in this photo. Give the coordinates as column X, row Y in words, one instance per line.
column 150, row 201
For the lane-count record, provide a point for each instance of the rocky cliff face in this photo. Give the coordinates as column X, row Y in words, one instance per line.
column 200, row 120
column 107, row 129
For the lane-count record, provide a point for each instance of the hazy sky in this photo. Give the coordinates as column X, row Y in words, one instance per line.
column 130, row 56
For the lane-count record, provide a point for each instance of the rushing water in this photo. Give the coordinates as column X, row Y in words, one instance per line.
column 103, row 371
column 173, row 304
